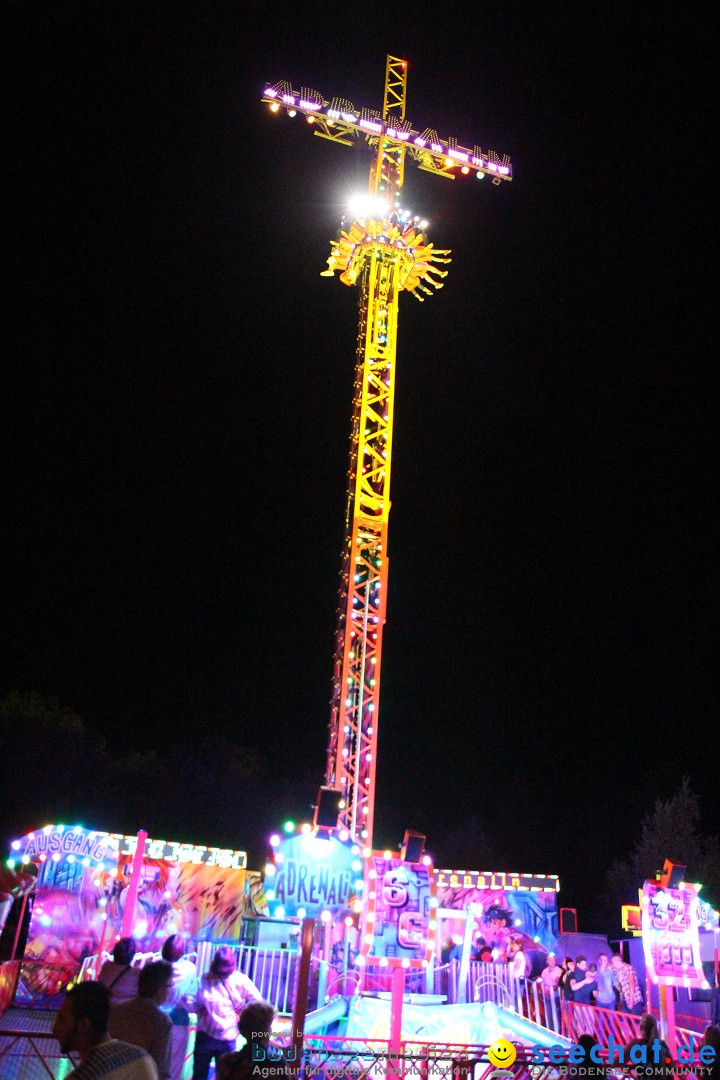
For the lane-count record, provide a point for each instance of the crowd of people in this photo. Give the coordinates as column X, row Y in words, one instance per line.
column 511, row 952
column 658, row 1064
column 133, row 1023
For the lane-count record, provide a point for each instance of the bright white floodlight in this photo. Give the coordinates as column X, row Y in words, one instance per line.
column 364, row 206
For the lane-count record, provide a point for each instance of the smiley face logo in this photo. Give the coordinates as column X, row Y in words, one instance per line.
column 501, row 1054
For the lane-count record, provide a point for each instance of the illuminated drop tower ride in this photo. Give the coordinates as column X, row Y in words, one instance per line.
column 382, row 250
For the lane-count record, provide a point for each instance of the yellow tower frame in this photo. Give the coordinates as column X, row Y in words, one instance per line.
column 382, row 251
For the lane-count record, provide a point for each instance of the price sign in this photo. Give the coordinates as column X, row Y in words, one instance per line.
column 670, row 935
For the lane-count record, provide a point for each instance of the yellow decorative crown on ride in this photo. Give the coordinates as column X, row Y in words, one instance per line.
column 388, row 238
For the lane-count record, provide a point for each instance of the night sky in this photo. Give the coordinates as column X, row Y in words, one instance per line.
column 177, row 412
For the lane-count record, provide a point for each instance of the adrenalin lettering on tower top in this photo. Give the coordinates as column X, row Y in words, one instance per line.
column 383, row 250
column 339, row 121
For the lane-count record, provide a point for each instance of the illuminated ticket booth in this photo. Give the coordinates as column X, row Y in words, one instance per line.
column 94, row 887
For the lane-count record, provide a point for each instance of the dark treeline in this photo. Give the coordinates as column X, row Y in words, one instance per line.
column 56, row 767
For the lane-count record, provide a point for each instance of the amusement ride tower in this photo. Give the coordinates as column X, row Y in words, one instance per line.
column 382, row 250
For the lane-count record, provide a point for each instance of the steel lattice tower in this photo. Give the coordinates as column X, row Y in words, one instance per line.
column 383, row 251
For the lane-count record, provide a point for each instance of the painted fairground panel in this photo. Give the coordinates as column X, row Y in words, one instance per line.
column 311, row 873
column 83, row 879
column 507, row 907
column 671, row 934
column 397, row 922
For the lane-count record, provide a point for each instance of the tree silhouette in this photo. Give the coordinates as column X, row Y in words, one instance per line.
column 671, row 830
column 56, row 768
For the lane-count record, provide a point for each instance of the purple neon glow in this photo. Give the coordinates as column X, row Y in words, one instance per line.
column 448, row 148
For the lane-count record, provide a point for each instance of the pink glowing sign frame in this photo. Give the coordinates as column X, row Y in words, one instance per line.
column 670, row 935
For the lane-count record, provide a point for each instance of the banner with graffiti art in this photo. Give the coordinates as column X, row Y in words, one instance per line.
column 397, row 923
column 82, row 887
column 505, row 908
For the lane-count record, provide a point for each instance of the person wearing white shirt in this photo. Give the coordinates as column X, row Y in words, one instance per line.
column 180, row 1000
column 223, row 993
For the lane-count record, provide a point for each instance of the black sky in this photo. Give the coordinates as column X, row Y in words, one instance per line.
column 179, row 386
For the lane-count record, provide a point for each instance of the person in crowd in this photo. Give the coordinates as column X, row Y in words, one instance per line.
column 81, row 1026
column 664, row 1068
column 180, row 999
column 517, row 960
column 588, row 1067
column 223, row 993
column 255, row 1026
column 568, row 968
column 712, row 1038
column 118, row 974
column 582, row 982
column 483, row 950
column 715, row 1003
column 628, row 986
column 453, row 950
column 605, row 993
column 549, row 980
column 141, row 1020
column 551, row 973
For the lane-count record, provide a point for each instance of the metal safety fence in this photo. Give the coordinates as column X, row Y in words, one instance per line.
column 31, row 1055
